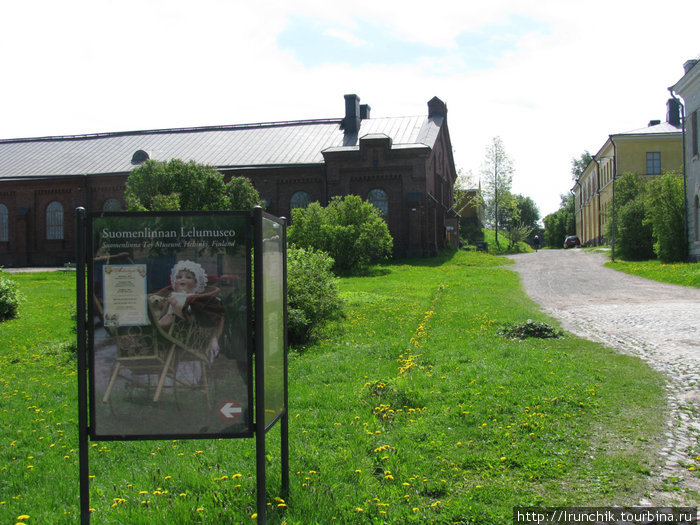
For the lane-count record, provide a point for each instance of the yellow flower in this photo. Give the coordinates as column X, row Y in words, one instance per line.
column 22, row 517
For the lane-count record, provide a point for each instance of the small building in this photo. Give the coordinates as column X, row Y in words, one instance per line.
column 688, row 88
column 403, row 165
column 647, row 152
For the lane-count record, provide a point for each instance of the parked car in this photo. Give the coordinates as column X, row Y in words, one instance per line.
column 572, row 241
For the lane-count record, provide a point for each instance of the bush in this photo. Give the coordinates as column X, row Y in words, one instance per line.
column 471, row 230
column 633, row 234
column 312, row 294
column 529, row 328
column 349, row 229
column 10, row 298
column 665, row 212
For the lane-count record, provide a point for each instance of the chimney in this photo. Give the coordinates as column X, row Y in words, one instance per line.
column 364, row 111
column 673, row 112
column 689, row 64
column 653, row 123
column 351, row 122
column 437, row 108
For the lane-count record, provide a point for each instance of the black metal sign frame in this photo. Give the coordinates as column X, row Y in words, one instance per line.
column 147, row 331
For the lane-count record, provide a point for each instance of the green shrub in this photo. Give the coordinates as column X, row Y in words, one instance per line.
column 665, row 212
column 349, row 229
column 10, row 298
column 528, row 329
column 312, row 294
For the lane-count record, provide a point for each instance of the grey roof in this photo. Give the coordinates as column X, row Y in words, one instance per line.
column 268, row 144
column 657, row 129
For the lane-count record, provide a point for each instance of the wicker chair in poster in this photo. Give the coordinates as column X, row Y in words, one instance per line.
column 178, row 353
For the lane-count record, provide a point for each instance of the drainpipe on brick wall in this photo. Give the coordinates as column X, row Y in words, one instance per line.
column 685, row 189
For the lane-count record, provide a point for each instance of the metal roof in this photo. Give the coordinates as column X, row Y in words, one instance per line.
column 662, row 128
column 248, row 145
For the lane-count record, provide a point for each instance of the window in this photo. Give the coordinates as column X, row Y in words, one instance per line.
column 380, row 200
column 653, row 163
column 112, row 205
column 54, row 221
column 300, row 199
column 4, row 224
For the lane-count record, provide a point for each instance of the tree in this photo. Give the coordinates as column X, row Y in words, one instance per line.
column 578, row 166
column 633, row 235
column 665, row 213
column 242, row 194
column 520, row 219
column 529, row 214
column 497, row 174
column 561, row 223
column 180, row 186
column 175, row 185
column 349, row 229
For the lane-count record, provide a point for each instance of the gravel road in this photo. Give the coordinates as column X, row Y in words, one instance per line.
column 657, row 322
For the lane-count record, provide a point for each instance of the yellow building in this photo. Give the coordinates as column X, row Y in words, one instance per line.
column 647, row 152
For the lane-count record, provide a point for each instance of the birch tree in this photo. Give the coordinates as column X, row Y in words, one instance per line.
column 497, row 173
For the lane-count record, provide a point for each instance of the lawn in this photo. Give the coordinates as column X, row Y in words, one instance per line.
column 411, row 409
column 684, row 274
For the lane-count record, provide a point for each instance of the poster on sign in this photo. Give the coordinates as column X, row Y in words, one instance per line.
column 170, row 324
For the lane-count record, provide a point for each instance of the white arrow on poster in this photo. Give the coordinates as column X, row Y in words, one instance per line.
column 230, row 410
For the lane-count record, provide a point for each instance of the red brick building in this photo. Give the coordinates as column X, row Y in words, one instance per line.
column 403, row 165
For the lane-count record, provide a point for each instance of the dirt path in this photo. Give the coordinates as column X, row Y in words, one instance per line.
column 657, row 322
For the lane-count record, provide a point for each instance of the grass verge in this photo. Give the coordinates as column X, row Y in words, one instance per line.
column 410, row 410
column 684, row 274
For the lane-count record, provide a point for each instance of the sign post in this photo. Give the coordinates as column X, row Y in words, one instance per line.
column 171, row 343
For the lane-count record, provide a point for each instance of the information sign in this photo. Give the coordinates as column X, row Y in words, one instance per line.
column 170, row 342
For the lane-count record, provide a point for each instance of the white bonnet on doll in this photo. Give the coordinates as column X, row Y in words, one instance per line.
column 200, row 275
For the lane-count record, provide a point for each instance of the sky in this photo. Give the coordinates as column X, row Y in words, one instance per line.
column 551, row 78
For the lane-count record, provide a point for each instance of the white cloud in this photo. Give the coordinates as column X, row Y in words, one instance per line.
column 345, row 36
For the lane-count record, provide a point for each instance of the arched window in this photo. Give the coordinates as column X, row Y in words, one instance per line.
column 112, row 205
column 380, row 200
column 300, row 199
column 4, row 224
column 54, row 221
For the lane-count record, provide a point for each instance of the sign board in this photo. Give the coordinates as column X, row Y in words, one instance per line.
column 170, row 321
column 273, row 318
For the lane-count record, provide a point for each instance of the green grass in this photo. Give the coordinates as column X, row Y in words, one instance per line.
column 502, row 246
column 410, row 410
column 684, row 274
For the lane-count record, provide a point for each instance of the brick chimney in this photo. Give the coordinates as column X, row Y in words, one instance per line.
column 437, row 108
column 673, row 112
column 364, row 111
column 351, row 122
